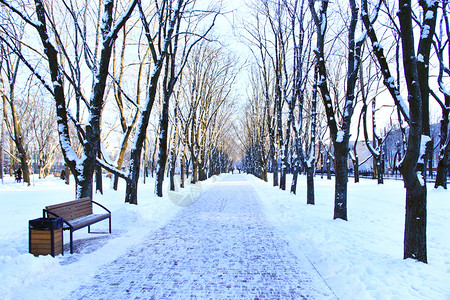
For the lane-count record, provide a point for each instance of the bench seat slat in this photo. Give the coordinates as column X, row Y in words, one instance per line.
column 86, row 220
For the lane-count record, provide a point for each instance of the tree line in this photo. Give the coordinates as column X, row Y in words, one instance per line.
column 319, row 62
column 144, row 76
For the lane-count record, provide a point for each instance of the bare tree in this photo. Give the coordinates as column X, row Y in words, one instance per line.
column 255, row 137
column 210, row 74
column 413, row 164
column 62, row 67
column 301, row 67
column 266, row 36
column 340, row 134
column 175, row 63
column 14, row 110
column 441, row 46
column 44, row 135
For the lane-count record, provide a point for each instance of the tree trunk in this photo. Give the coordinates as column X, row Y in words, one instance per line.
column 328, row 165
column 356, row 169
column 442, row 168
column 172, row 171
column 67, row 175
column 23, row 161
column 415, row 239
column 264, row 171
column 194, row 170
column 412, row 168
column 380, row 170
column 274, row 165
column 162, row 155
column 98, row 179
column 182, row 171
column 341, row 180
column 310, row 185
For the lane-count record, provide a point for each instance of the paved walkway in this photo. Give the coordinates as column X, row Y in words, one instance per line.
column 221, row 247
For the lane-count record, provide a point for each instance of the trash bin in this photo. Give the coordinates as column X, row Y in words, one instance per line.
column 46, row 236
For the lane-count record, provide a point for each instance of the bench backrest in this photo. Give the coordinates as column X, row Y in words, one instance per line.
column 72, row 209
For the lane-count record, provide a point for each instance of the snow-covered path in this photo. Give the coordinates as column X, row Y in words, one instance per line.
column 221, row 247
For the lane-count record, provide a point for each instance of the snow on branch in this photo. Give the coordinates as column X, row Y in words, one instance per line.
column 108, row 167
column 21, row 15
column 122, row 20
column 389, row 80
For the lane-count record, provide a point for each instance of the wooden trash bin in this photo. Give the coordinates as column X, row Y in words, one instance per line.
column 46, row 236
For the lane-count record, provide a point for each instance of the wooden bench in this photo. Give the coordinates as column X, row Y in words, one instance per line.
column 77, row 214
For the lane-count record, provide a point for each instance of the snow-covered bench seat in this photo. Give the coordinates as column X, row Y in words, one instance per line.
column 77, row 214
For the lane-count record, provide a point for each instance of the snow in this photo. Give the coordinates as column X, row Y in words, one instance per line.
column 425, row 139
column 391, row 82
column 358, row 259
column 429, row 15
column 377, row 46
column 420, row 58
column 425, row 32
column 403, row 104
column 340, row 136
column 362, row 258
column 420, row 178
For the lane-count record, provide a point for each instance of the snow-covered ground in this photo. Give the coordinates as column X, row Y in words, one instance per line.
column 362, row 258
column 358, row 259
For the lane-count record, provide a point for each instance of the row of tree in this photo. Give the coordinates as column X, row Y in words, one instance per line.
column 104, row 67
column 309, row 52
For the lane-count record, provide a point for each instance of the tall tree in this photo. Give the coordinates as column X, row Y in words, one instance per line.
column 166, row 17
column 340, row 134
column 412, row 166
column 175, row 62
column 441, row 45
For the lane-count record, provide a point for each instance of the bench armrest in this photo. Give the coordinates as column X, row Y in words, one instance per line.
column 48, row 212
column 101, row 206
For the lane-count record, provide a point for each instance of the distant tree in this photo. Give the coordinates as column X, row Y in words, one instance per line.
column 176, row 141
column 162, row 31
column 206, row 107
column 127, row 106
column 45, row 139
column 269, row 42
column 175, row 62
column 376, row 149
column 15, row 111
column 255, row 127
column 301, row 37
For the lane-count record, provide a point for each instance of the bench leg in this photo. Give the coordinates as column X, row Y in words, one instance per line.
column 71, row 242
column 109, row 224
column 89, row 229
